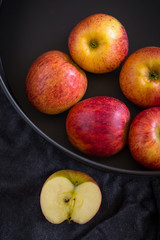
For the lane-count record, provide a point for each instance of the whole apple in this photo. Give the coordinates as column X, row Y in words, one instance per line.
column 98, row 126
column 99, row 43
column 144, row 138
column 70, row 195
column 54, row 83
column 140, row 77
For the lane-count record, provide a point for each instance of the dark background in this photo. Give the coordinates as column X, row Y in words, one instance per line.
column 131, row 204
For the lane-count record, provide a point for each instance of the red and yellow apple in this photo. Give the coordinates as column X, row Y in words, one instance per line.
column 140, row 77
column 144, row 138
column 70, row 195
column 54, row 82
column 98, row 43
column 98, row 126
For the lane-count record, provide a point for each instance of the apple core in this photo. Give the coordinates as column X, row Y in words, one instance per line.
column 71, row 203
column 69, row 199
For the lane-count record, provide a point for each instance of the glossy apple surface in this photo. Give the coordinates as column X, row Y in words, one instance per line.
column 70, row 195
column 144, row 138
column 98, row 126
column 98, row 43
column 140, row 77
column 54, row 83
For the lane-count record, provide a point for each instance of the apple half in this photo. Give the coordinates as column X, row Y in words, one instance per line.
column 70, row 195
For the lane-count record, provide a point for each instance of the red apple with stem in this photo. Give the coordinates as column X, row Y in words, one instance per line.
column 98, row 126
column 98, row 43
column 55, row 83
column 144, row 138
column 140, row 77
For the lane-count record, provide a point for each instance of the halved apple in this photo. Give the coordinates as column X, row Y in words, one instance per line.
column 70, row 195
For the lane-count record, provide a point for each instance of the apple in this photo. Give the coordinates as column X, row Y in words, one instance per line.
column 98, row 43
column 98, row 126
column 54, row 82
column 144, row 138
column 70, row 195
column 140, row 77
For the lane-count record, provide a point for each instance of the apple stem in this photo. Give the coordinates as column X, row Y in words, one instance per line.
column 69, row 220
column 153, row 75
column 76, row 183
column 93, row 44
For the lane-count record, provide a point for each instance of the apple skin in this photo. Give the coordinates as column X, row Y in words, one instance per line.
column 98, row 126
column 68, row 196
column 98, row 43
column 137, row 79
column 54, row 82
column 144, row 138
column 76, row 177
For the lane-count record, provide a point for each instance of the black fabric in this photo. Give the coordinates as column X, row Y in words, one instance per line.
column 130, row 207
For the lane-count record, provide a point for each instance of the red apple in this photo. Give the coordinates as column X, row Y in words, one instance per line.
column 144, row 138
column 98, row 126
column 55, row 83
column 140, row 77
column 98, row 43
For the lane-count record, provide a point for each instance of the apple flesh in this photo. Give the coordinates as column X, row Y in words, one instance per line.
column 98, row 126
column 54, row 83
column 140, row 77
column 98, row 43
column 70, row 195
column 144, row 138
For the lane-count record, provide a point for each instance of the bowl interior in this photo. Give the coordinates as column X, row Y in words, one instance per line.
column 30, row 28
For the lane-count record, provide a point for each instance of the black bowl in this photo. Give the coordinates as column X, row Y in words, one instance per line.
column 30, row 28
